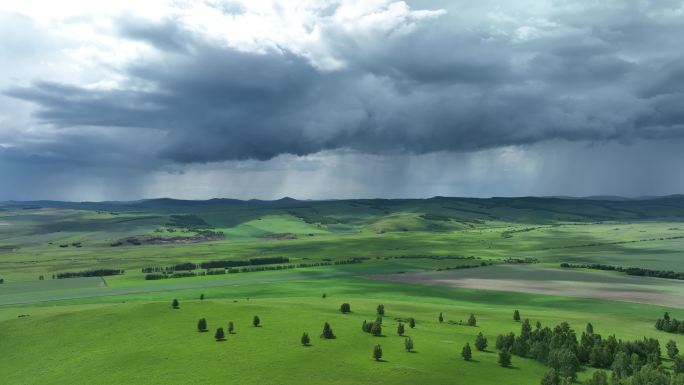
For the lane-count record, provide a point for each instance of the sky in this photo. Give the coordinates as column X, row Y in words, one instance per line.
column 330, row 99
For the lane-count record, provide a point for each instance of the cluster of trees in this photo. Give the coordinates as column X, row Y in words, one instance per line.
column 628, row 270
column 88, row 273
column 560, row 349
column 670, row 325
column 220, row 335
column 375, row 328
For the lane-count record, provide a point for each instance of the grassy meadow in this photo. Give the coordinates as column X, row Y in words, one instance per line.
column 121, row 328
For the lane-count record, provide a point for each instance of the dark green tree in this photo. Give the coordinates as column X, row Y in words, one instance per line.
column 175, row 304
column 305, row 339
column 550, row 378
column 400, row 329
column 678, row 364
column 471, row 320
column 376, row 329
column 381, row 310
column 590, row 328
column 408, row 344
column 672, row 350
column 441, row 318
column 256, row 321
column 412, row 323
column 565, row 362
column 202, row 297
column 327, row 332
column 480, row 342
column 345, row 308
column 621, row 365
column 599, row 378
column 202, row 325
column 516, row 316
column 467, row 353
column 504, row 358
column 324, row 296
column 219, row 335
column 650, row 375
column 377, row 352
column 231, row 327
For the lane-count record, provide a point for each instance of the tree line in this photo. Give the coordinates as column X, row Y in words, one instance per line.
column 637, row 271
column 164, row 274
column 88, row 273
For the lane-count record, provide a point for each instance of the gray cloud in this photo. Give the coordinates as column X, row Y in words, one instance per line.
column 434, row 89
column 471, row 81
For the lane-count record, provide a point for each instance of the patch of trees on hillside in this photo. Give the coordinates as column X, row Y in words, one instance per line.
column 670, row 325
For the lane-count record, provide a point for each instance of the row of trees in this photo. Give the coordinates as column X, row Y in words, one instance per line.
column 638, row 271
column 88, row 273
column 231, row 264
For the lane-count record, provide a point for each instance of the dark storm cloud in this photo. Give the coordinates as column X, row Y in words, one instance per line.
column 609, row 73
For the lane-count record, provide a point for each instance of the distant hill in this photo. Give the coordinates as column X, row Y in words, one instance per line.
column 436, row 210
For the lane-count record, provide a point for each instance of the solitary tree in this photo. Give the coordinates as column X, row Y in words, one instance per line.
column 408, row 344
column 505, row 358
column 400, row 329
column 202, row 297
column 480, row 342
column 202, row 325
column 305, row 339
column 231, row 327
column 590, row 328
column 381, row 310
column 256, row 321
column 220, row 335
column 672, row 350
column 412, row 323
column 441, row 319
column 345, row 308
column 174, row 304
column 471, row 320
column 327, row 332
column 516, row 316
column 467, row 353
column 377, row 352
column 324, row 296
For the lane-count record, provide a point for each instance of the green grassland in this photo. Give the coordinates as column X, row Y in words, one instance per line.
column 121, row 329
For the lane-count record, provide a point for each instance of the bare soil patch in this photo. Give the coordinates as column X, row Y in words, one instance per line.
column 530, row 279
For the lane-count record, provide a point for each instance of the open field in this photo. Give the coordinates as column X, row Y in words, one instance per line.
column 419, row 258
column 144, row 335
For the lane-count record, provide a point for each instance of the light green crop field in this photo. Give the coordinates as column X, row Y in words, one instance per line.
column 121, row 329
